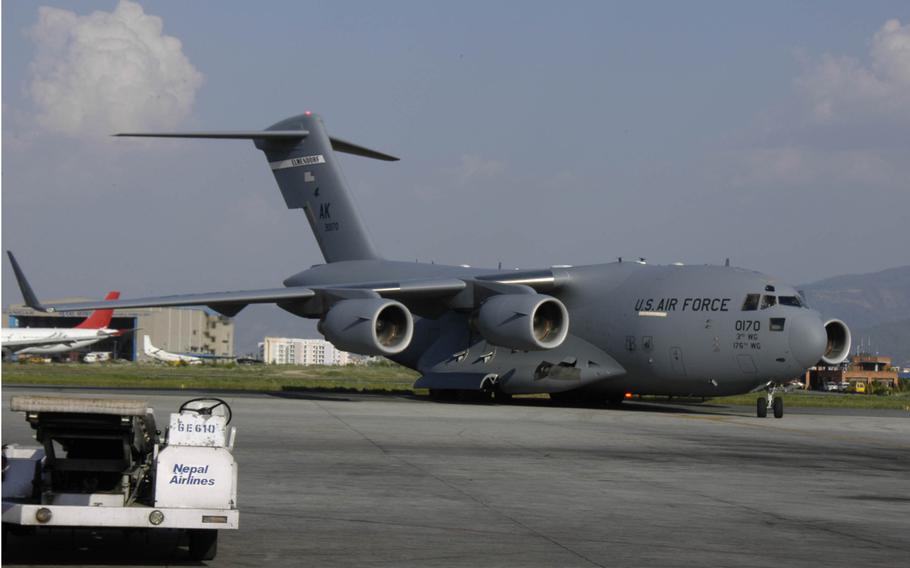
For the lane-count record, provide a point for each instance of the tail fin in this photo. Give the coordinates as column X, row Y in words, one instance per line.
column 147, row 345
column 100, row 319
column 300, row 154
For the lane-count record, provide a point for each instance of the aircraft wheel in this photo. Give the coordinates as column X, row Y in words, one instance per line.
column 500, row 397
column 566, row 397
column 761, row 408
column 443, row 395
column 778, row 407
column 559, row 397
column 615, row 399
column 473, row 396
column 203, row 544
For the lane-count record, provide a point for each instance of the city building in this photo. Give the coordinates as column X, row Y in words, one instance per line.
column 296, row 351
column 863, row 367
column 178, row 330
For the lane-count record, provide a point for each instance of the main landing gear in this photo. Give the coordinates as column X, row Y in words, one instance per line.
column 770, row 402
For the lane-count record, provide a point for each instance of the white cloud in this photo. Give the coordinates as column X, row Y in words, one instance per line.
column 807, row 166
column 847, row 128
column 473, row 167
column 844, row 89
column 108, row 71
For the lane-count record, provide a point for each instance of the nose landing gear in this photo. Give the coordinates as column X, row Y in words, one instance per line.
column 770, row 402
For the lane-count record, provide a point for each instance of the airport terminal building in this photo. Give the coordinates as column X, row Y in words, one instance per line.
column 178, row 330
column 862, row 368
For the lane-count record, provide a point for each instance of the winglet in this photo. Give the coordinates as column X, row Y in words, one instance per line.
column 27, row 294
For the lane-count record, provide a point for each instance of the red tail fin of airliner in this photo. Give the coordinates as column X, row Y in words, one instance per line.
column 100, row 319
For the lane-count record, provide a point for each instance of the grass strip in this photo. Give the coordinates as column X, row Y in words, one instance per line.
column 380, row 379
column 260, row 378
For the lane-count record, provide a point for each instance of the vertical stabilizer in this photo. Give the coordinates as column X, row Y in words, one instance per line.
column 310, row 178
column 147, row 345
column 302, row 157
column 100, row 319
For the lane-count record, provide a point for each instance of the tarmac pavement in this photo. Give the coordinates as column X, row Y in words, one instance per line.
column 339, row 480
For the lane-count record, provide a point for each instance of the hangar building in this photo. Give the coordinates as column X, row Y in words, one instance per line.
column 179, row 330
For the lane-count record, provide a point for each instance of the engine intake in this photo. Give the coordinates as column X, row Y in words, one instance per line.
column 839, row 341
column 368, row 326
column 529, row 322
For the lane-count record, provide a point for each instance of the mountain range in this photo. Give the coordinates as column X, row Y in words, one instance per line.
column 876, row 306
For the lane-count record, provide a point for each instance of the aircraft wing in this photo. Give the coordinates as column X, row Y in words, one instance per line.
column 209, row 356
column 228, row 303
column 409, row 292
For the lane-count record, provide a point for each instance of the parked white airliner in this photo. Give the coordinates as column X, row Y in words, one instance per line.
column 54, row 340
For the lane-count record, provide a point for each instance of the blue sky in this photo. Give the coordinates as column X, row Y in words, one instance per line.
column 773, row 133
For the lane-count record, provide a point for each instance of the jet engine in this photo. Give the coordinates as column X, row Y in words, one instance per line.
column 368, row 326
column 839, row 341
column 529, row 322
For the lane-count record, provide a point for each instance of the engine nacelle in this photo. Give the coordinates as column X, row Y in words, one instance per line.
column 839, row 341
column 368, row 326
column 529, row 322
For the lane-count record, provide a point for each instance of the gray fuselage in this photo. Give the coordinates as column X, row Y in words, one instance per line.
column 634, row 327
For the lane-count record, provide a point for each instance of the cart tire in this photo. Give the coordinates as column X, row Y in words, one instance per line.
column 203, row 544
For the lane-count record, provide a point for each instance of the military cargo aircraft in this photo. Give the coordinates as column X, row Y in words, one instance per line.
column 596, row 331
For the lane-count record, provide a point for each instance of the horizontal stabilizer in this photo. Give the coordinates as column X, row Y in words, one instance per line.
column 340, row 145
column 279, row 136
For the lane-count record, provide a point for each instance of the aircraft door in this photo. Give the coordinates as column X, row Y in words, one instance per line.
column 676, row 360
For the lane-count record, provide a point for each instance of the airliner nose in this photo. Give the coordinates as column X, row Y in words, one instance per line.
column 808, row 339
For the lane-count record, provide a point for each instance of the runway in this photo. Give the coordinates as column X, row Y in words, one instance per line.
column 340, row 480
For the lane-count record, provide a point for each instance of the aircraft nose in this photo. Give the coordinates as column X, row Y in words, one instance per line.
column 808, row 339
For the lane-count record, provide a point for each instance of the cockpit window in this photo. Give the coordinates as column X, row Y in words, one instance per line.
column 750, row 304
column 793, row 301
column 768, row 301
